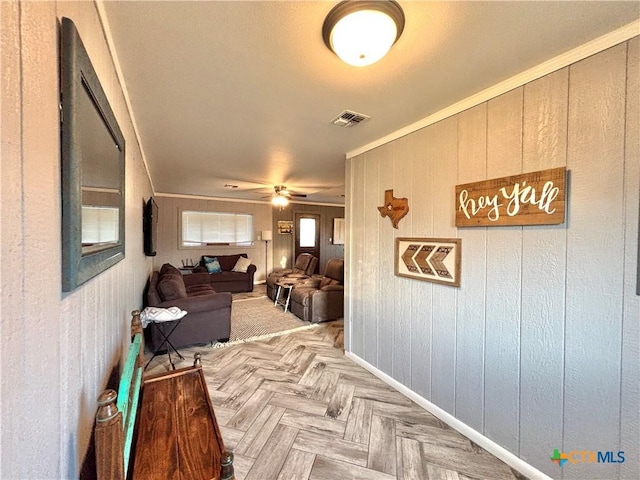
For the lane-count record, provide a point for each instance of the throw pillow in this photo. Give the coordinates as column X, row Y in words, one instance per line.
column 156, row 314
column 168, row 268
column 212, row 264
column 241, row 265
column 171, row 287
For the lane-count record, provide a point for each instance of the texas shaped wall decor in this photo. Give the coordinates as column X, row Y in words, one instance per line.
column 394, row 208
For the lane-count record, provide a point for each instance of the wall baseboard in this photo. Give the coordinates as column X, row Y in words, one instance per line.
column 500, row 452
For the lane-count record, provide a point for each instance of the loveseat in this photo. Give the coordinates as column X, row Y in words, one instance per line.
column 208, row 316
column 228, row 280
column 320, row 298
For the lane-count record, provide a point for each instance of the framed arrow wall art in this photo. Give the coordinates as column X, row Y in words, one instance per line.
column 431, row 259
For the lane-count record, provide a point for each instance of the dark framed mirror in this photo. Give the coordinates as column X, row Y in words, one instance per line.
column 93, row 166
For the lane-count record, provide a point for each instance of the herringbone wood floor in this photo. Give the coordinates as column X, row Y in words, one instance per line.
column 294, row 407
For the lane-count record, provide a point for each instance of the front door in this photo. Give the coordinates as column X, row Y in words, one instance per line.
column 308, row 235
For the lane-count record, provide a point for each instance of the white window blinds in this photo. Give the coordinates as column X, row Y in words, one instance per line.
column 210, row 228
column 99, row 225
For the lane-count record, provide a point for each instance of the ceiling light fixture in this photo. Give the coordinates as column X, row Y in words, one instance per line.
column 280, row 201
column 361, row 32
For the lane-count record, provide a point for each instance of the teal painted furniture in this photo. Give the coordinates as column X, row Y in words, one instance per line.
column 142, row 431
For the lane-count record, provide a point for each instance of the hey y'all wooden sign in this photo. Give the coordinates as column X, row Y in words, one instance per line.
column 536, row 198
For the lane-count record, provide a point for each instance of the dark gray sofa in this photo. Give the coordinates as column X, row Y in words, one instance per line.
column 209, row 313
column 228, row 281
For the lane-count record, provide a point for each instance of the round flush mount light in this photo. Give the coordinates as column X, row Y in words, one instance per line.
column 361, row 32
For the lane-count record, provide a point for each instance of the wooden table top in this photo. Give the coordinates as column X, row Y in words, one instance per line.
column 177, row 436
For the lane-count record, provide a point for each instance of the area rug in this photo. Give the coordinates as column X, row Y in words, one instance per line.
column 258, row 291
column 258, row 318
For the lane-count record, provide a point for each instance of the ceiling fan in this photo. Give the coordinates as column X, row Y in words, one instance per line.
column 282, row 195
column 277, row 192
column 283, row 191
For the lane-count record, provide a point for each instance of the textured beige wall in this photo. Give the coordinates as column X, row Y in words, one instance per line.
column 57, row 349
column 538, row 349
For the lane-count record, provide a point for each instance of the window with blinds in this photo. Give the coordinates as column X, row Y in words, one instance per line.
column 99, row 225
column 215, row 228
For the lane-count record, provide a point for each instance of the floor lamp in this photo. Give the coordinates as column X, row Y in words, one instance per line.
column 266, row 235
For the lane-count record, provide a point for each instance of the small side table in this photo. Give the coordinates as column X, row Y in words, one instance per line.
column 283, row 293
column 160, row 317
column 161, row 328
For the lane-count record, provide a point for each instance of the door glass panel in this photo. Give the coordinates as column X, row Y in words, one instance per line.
column 307, row 232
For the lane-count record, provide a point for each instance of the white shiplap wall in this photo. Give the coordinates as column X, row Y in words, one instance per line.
column 57, row 348
column 538, row 348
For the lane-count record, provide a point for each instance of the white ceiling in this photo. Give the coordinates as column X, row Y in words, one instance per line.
column 243, row 92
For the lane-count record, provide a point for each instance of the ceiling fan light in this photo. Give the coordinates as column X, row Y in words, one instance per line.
column 280, row 201
column 361, row 32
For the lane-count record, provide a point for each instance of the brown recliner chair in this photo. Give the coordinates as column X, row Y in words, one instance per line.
column 304, row 267
column 320, row 299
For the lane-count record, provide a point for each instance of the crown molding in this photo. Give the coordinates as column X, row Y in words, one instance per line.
column 242, row 200
column 597, row 45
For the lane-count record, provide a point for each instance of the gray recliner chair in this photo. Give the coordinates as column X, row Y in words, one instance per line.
column 303, row 268
column 321, row 299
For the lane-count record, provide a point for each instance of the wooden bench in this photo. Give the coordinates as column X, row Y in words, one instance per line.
column 159, row 427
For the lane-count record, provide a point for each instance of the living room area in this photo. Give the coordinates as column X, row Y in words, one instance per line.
column 185, row 232
column 195, row 308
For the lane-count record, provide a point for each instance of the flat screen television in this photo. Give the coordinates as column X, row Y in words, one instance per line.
column 150, row 227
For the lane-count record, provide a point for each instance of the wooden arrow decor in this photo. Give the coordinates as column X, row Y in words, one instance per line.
column 431, row 259
column 394, row 208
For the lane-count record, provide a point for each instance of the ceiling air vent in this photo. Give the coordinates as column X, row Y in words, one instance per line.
column 349, row 119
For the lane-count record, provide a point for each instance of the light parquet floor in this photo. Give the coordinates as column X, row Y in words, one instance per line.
column 294, row 407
